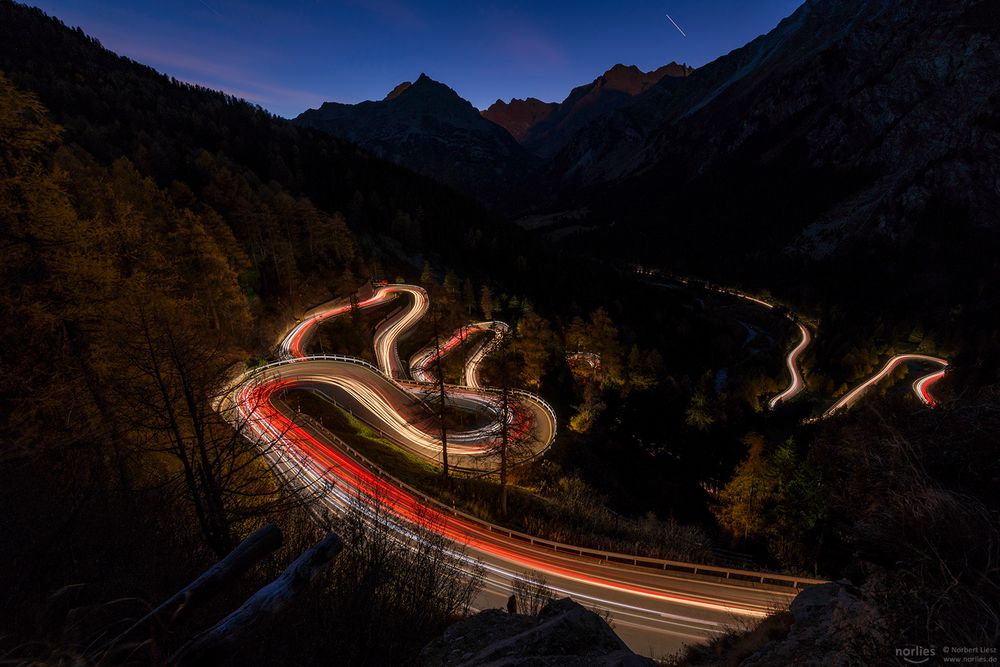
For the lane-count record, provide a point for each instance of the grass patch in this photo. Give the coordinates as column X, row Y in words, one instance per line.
column 479, row 496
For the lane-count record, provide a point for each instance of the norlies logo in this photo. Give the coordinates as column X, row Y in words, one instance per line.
column 916, row 655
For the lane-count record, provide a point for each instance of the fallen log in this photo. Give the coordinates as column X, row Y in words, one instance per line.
column 215, row 579
column 209, row 647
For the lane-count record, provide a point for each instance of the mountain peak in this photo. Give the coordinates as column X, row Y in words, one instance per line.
column 426, row 126
column 632, row 80
column 432, row 89
column 619, row 68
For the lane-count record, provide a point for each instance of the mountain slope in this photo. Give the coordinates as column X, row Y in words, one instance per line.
column 849, row 156
column 863, row 133
column 264, row 174
column 545, row 128
column 896, row 100
column 427, row 127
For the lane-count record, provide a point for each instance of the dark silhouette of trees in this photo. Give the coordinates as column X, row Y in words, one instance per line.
column 516, row 440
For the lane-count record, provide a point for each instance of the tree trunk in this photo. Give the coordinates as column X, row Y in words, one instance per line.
column 441, row 392
column 504, row 444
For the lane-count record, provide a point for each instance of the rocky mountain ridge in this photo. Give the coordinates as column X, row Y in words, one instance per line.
column 519, row 116
column 428, row 128
column 544, row 128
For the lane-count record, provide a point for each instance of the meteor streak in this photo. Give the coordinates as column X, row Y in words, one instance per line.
column 676, row 26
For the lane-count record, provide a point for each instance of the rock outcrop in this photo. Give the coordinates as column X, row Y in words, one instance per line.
column 834, row 625
column 564, row 634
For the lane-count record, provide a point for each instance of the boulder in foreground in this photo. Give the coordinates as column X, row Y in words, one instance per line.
column 563, row 634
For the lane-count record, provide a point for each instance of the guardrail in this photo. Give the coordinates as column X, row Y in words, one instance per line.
column 749, row 578
column 318, row 357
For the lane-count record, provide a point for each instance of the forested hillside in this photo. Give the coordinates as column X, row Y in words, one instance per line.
column 256, row 170
column 155, row 235
column 124, row 306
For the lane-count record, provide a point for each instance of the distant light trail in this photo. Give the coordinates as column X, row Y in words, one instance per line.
column 797, row 384
column 676, row 26
column 919, row 387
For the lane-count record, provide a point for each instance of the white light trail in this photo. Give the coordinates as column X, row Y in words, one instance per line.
column 798, row 384
column 850, row 397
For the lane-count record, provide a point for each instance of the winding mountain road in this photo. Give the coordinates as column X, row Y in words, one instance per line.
column 657, row 605
column 384, row 398
column 792, row 361
column 421, row 364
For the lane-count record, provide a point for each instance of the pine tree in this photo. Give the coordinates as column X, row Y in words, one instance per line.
column 486, row 303
column 534, row 341
column 743, row 501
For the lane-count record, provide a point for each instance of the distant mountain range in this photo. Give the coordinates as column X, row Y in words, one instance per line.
column 851, row 120
column 874, row 110
column 426, row 126
column 857, row 133
column 544, row 128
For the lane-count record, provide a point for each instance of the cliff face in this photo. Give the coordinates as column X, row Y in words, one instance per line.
column 428, row 128
column 564, row 634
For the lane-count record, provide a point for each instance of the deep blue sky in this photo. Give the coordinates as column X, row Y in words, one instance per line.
column 292, row 55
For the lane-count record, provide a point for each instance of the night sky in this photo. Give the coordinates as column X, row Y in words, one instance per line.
column 292, row 55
